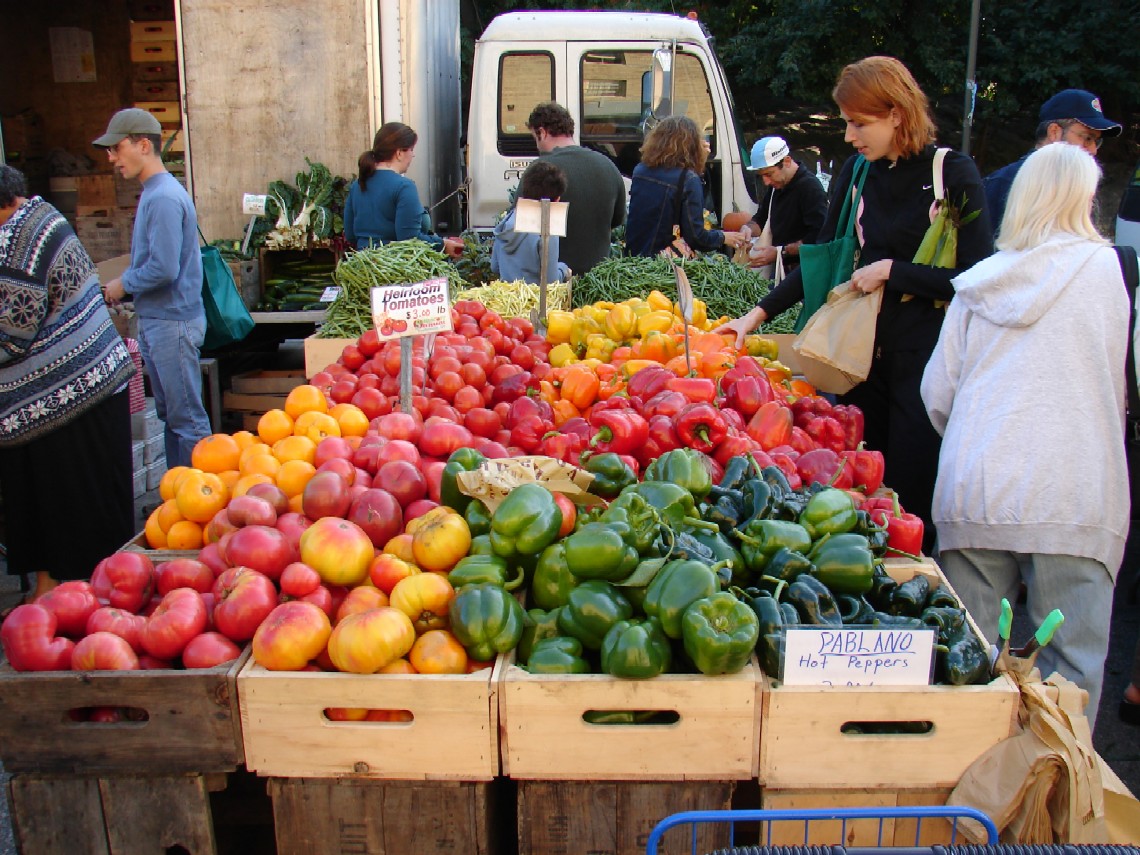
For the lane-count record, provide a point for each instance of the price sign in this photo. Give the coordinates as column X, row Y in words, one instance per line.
column 858, row 656
column 253, row 204
column 330, row 293
column 417, row 308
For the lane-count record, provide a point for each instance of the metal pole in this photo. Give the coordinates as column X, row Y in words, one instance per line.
column 544, row 240
column 971, row 83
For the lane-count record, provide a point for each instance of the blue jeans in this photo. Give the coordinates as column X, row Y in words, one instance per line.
column 170, row 354
column 1080, row 587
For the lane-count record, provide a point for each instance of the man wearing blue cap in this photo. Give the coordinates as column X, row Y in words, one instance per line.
column 792, row 209
column 1073, row 116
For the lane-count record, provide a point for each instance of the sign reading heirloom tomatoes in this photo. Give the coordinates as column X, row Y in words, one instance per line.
column 417, row 308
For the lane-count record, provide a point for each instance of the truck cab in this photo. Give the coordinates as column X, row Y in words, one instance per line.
column 617, row 73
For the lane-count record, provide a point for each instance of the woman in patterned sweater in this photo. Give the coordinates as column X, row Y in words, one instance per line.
column 65, row 427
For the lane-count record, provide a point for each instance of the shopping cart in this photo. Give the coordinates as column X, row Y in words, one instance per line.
column 806, row 817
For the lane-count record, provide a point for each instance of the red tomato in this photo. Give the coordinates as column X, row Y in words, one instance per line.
column 501, row 372
column 523, row 357
column 352, row 357
column 569, row 513
column 299, row 579
column 120, row 622
column 483, row 422
column 443, row 364
column 396, row 425
column 244, row 598
column 391, row 357
column 398, row 449
column 362, row 598
column 369, row 343
column 342, row 391
column 491, row 320
column 292, row 636
column 447, row 384
column 209, row 650
column 103, row 651
column 187, row 572
column 265, row 548
column 467, row 399
column 371, row 402
column 387, row 570
column 124, row 580
column 339, row 550
column 441, row 438
column 71, row 603
column 179, row 617
column 30, row 643
column 368, row 380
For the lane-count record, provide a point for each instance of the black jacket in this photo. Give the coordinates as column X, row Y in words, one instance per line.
column 798, row 210
column 894, row 214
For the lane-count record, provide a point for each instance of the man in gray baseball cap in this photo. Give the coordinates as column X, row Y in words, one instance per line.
column 164, row 280
column 1072, row 116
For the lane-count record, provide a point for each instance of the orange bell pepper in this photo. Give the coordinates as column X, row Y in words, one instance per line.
column 621, row 355
column 547, row 392
column 580, row 387
column 611, row 387
column 771, row 426
column 715, row 365
column 564, row 411
column 679, row 365
column 605, row 372
column 658, row 346
column 801, row 388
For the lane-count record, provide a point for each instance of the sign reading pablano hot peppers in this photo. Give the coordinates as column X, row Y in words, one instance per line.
column 417, row 308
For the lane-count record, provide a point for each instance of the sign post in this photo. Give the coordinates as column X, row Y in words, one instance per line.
column 685, row 304
column 544, row 218
column 406, row 310
column 254, row 205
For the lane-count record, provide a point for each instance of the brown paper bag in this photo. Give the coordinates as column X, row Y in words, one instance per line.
column 838, row 343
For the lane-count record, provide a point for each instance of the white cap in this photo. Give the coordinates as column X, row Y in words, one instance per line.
column 768, row 151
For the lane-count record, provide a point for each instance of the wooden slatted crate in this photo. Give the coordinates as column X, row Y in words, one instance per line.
column 861, row 832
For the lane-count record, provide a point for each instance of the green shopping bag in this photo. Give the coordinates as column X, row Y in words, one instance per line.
column 227, row 318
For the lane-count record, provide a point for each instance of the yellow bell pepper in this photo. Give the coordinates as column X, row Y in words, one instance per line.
column 596, row 313
column 581, row 328
column 634, row 365
column 657, row 300
column 657, row 320
column 562, row 354
column 700, row 314
column 758, row 345
column 558, row 326
column 621, row 323
column 598, row 346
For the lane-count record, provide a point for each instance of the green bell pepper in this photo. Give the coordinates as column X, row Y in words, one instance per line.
column 552, row 581
column 558, row 654
column 724, row 553
column 684, row 467
column 475, row 569
column 719, row 633
column 611, row 474
column 813, row 601
column 844, row 563
column 537, row 625
column 830, row 511
column 636, row 584
column 478, row 518
column 761, row 540
column 600, row 551
column 591, row 609
column 636, row 649
column 526, row 522
column 486, row 619
column 631, row 510
column 675, row 587
column 674, row 504
column 461, row 460
column 481, row 544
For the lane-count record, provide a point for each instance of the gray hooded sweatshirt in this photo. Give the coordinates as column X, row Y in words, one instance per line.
column 1026, row 385
column 518, row 255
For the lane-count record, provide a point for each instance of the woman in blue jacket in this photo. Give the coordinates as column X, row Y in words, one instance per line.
column 667, row 192
column 383, row 205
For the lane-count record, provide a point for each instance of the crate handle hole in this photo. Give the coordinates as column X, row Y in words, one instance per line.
column 887, row 728
column 98, row 716
column 627, row 718
column 359, row 715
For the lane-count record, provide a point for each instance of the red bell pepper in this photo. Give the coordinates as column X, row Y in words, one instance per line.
column 621, row 431
column 662, row 438
column 827, row 433
column 771, row 425
column 664, row 403
column 866, row 468
column 648, row 381
column 515, row 386
column 632, row 462
column 805, row 409
column 567, row 447
column 746, row 366
column 851, row 417
column 733, row 419
column 735, row 444
column 747, row 395
column 525, row 406
column 700, row 426
column 904, row 531
column 787, row 465
column 801, row 442
column 824, row 466
column 528, row 433
column 579, row 426
column 620, row 401
column 696, row 389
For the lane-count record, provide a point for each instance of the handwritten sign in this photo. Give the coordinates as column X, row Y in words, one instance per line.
column 858, row 656
column 417, row 308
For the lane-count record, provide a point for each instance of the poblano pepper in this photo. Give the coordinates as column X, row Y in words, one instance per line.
column 737, row 470
column 537, row 625
column 909, row 598
column 757, row 500
column 854, row 610
column 591, row 609
column 675, row 587
column 761, row 539
column 882, row 588
column 813, row 601
column 719, row 633
column 726, row 510
column 683, row 467
column 475, row 569
column 942, row 597
column 830, row 511
column 723, row 553
column 787, row 564
column 636, row 649
column 486, row 619
column 558, row 654
column 552, row 582
column 611, row 474
column 526, row 522
column 770, row 629
column 946, row 620
column 601, row 550
column 461, row 460
column 844, row 563
column 965, row 661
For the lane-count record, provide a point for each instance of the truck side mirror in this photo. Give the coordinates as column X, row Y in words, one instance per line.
column 661, row 95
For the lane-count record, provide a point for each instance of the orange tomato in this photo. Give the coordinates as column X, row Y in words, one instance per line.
column 305, row 399
column 425, row 598
column 437, row 651
column 401, row 547
column 200, row 496
column 366, row 642
column 360, row 599
column 216, row 453
column 441, row 541
column 274, row 425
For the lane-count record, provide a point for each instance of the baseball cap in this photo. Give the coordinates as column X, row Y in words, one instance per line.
column 768, row 151
column 126, row 122
column 1080, row 105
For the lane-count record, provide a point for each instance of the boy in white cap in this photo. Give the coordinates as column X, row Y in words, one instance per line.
column 164, row 280
column 793, row 206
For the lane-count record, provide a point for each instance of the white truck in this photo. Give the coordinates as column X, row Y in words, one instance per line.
column 267, row 84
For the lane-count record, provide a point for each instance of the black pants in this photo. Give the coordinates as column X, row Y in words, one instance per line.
column 896, row 423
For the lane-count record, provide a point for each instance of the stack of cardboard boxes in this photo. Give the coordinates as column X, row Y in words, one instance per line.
column 148, row 446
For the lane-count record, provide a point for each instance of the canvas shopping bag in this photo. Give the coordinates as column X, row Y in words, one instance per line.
column 227, row 318
column 838, row 343
column 825, row 265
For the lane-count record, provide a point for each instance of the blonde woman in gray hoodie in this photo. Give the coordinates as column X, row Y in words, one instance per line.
column 1026, row 384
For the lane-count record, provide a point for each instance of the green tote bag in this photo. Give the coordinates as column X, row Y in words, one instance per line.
column 825, row 265
column 227, row 318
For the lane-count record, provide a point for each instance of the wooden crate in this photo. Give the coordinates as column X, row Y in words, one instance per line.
column 615, row 817
column 154, row 52
column 153, row 31
column 544, row 734
column 803, row 746
column 861, row 832
column 193, row 725
column 95, row 191
column 335, row 816
column 168, row 113
column 138, row 544
column 323, row 352
column 120, row 815
column 267, row 382
column 454, row 734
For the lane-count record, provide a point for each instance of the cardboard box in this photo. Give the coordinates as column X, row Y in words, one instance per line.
column 154, row 449
column 139, row 479
column 323, row 352
column 153, row 31
column 152, row 52
column 155, row 471
column 138, row 452
column 168, row 113
column 113, row 267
